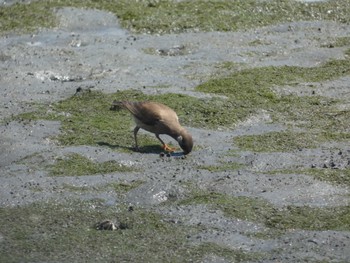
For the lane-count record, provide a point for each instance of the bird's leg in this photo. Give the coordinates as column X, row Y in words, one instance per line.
column 168, row 148
column 165, row 146
column 136, row 129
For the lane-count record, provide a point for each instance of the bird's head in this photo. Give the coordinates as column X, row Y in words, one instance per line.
column 185, row 141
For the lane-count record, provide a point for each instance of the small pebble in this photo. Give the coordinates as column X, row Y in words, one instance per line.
column 106, row 225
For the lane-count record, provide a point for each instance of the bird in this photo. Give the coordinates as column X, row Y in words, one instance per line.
column 159, row 119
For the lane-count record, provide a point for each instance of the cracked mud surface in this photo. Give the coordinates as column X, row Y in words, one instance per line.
column 90, row 50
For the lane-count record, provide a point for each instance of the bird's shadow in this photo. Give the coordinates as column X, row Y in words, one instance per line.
column 149, row 149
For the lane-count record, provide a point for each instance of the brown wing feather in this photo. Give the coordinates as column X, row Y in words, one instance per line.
column 143, row 112
column 152, row 116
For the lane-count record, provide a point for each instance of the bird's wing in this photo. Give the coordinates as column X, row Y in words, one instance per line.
column 147, row 112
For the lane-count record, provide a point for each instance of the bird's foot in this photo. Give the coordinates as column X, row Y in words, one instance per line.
column 168, row 148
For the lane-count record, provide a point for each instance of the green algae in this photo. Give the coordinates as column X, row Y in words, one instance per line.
column 178, row 16
column 35, row 233
column 88, row 120
column 223, row 166
column 335, row 176
column 286, row 141
column 250, row 91
column 282, row 219
column 77, row 165
column 275, row 142
column 260, row 80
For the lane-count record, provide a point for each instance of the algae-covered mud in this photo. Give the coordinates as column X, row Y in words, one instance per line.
column 263, row 87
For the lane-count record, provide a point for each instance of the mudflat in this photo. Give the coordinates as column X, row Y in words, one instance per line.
column 268, row 178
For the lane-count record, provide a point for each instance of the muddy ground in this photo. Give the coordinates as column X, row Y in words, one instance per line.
column 91, row 51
